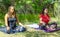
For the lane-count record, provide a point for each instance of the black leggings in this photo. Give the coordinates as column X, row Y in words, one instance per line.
column 42, row 27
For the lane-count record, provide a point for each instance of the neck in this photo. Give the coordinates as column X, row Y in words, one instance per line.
column 11, row 13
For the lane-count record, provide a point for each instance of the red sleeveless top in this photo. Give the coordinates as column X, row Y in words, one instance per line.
column 45, row 18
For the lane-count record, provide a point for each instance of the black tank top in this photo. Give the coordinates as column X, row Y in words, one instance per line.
column 12, row 22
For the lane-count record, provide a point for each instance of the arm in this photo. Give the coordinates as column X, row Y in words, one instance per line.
column 18, row 21
column 41, row 22
column 40, row 19
column 6, row 19
column 6, row 22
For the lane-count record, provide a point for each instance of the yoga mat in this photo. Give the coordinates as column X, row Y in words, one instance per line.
column 3, row 29
column 36, row 26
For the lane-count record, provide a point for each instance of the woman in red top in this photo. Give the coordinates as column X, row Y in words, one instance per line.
column 44, row 17
column 44, row 20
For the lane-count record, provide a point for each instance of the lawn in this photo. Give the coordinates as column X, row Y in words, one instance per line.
column 32, row 33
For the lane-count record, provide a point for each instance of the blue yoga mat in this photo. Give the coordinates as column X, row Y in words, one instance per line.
column 21, row 29
column 3, row 29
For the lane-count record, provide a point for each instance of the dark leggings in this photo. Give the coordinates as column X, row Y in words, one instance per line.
column 20, row 29
column 42, row 27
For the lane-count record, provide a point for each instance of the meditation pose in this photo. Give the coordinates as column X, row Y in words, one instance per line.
column 11, row 20
column 44, row 21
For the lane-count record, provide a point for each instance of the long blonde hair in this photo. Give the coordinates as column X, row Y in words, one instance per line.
column 9, row 13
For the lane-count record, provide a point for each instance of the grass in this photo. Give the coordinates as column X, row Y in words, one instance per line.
column 31, row 34
column 27, row 19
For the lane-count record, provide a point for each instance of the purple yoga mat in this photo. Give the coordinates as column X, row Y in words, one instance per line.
column 58, row 28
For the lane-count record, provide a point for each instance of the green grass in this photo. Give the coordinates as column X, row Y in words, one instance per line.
column 27, row 19
column 31, row 34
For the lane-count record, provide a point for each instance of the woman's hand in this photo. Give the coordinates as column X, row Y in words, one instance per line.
column 47, row 27
column 8, row 28
column 43, row 23
column 20, row 24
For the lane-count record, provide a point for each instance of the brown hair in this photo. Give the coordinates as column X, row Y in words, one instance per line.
column 9, row 13
column 43, row 10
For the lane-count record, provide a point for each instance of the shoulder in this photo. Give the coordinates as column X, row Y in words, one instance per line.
column 40, row 15
column 6, row 15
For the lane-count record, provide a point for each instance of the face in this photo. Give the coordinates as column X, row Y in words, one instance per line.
column 46, row 11
column 11, row 9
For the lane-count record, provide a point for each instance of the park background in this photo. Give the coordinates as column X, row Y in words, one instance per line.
column 28, row 12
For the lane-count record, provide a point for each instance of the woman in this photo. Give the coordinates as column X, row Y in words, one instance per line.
column 44, row 17
column 11, row 20
column 44, row 20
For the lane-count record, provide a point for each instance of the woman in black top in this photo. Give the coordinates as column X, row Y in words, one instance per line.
column 11, row 20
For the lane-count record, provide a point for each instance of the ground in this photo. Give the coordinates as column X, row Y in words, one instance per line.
column 31, row 33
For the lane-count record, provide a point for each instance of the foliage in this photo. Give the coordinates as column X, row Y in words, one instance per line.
column 26, row 10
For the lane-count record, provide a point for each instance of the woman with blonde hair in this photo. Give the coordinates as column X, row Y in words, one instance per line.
column 11, row 20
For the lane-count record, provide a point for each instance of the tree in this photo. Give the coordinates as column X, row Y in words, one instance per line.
column 57, row 9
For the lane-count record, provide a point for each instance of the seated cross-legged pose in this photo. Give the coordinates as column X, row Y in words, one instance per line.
column 44, row 21
column 44, row 24
column 52, row 27
column 11, row 20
